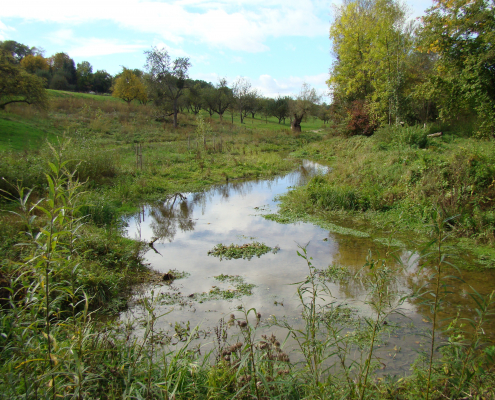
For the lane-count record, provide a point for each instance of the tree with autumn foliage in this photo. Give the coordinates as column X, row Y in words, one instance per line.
column 372, row 42
column 461, row 33
column 19, row 86
column 129, row 87
column 35, row 63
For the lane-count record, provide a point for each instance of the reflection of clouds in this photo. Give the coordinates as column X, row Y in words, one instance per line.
column 226, row 207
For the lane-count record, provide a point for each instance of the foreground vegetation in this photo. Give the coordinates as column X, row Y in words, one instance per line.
column 64, row 260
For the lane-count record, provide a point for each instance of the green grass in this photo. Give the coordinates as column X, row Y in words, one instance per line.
column 18, row 135
column 64, row 95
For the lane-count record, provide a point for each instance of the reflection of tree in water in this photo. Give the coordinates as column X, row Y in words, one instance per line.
column 176, row 214
column 171, row 216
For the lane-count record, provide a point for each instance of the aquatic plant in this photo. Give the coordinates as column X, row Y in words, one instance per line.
column 235, row 251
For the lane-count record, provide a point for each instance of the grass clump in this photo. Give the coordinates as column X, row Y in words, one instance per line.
column 235, row 251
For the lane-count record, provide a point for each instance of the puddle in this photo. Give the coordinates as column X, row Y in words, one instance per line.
column 185, row 230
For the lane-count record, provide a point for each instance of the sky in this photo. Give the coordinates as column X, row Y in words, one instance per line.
column 277, row 44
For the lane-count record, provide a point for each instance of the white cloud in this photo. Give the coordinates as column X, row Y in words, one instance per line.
column 4, row 29
column 290, row 86
column 242, row 25
column 101, row 47
column 90, row 47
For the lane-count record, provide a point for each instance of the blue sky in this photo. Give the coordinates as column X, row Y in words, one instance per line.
column 276, row 44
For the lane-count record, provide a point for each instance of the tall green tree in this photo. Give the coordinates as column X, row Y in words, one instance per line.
column 372, row 43
column 462, row 34
column 84, row 73
column 63, row 70
column 102, row 81
column 166, row 79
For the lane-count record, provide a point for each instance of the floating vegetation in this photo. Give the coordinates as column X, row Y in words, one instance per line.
column 174, row 274
column 246, row 251
column 239, row 288
column 334, row 273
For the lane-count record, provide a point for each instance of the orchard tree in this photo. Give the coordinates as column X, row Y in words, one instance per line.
column 279, row 108
column 303, row 106
column 193, row 98
column 166, row 79
column 323, row 113
column 219, row 98
column 129, row 87
column 241, row 91
column 19, row 86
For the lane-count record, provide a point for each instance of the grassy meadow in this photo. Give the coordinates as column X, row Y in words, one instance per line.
column 69, row 173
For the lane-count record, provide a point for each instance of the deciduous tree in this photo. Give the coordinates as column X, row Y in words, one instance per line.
column 129, row 87
column 166, row 79
column 84, row 73
column 303, row 106
column 35, row 63
column 19, row 86
column 102, row 81
column 462, row 34
column 241, row 91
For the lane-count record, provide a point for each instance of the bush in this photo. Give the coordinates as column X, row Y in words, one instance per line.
column 359, row 121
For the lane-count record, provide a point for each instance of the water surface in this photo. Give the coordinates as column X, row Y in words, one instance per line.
column 185, row 229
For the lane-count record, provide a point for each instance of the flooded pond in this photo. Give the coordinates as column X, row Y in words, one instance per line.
column 185, row 229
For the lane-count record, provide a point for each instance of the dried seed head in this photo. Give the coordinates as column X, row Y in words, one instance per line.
column 263, row 345
column 238, row 345
column 226, row 352
column 242, row 324
column 276, row 344
column 283, row 357
column 227, row 358
column 232, row 316
column 258, row 316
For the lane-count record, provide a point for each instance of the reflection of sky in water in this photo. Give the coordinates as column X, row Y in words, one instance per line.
column 187, row 229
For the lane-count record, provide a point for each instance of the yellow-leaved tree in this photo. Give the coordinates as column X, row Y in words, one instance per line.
column 129, row 87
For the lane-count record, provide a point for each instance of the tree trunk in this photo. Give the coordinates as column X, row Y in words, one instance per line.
column 296, row 124
column 175, row 113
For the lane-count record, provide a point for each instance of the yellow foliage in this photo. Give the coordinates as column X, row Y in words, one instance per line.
column 34, row 63
column 129, row 87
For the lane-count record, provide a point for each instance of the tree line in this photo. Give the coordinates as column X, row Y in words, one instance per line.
column 165, row 83
column 391, row 70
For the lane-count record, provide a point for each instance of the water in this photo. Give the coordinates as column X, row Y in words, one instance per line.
column 185, row 229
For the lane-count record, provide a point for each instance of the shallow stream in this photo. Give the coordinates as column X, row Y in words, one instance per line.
column 185, row 230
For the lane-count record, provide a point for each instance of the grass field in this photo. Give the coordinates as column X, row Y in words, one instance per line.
column 18, row 135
